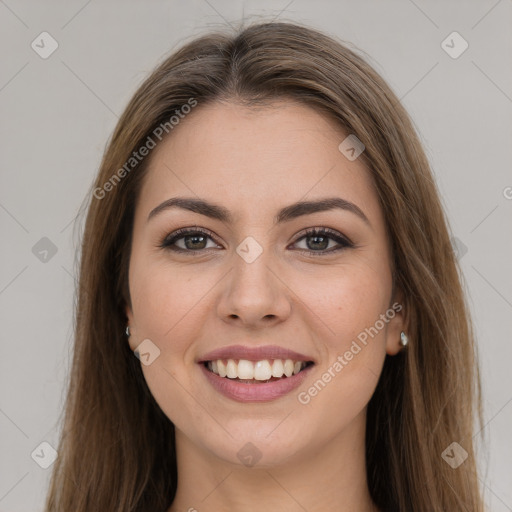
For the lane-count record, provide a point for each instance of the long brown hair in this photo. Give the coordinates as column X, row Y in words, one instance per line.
column 116, row 447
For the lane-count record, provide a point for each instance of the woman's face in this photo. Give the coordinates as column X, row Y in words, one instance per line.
column 254, row 287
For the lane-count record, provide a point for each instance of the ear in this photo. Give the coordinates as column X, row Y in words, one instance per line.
column 131, row 323
column 396, row 325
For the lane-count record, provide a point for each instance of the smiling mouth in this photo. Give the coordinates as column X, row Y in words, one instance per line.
column 256, row 372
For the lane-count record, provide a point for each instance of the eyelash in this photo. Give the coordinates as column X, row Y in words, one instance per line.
column 168, row 241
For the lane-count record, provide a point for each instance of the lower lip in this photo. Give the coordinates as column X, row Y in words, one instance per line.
column 243, row 392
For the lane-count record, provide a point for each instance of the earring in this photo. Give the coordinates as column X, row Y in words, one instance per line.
column 127, row 331
column 404, row 340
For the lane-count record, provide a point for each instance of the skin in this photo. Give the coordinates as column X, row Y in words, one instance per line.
column 254, row 162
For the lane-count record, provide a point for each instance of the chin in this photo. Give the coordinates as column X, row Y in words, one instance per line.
column 257, row 443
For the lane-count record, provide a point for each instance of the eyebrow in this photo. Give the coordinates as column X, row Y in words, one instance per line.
column 286, row 214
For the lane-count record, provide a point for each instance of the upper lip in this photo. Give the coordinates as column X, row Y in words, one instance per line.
column 253, row 353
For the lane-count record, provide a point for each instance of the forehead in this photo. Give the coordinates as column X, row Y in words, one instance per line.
column 254, row 158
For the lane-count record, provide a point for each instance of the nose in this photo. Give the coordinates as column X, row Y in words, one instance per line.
column 254, row 295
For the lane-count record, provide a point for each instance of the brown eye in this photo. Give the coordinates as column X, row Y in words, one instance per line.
column 323, row 240
column 196, row 241
column 188, row 240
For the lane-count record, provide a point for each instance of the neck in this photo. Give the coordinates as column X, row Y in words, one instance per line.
column 329, row 478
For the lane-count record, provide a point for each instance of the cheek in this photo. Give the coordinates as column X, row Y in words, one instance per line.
column 351, row 304
column 346, row 299
column 167, row 307
column 167, row 301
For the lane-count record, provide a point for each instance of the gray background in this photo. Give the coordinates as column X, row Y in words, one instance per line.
column 57, row 114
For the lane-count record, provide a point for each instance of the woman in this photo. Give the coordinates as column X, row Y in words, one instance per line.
column 265, row 236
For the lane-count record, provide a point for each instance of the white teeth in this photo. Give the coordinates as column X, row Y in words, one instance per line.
column 277, row 368
column 231, row 369
column 221, row 367
column 245, row 369
column 288, row 367
column 260, row 370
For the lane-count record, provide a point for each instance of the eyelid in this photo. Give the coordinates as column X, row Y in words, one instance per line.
column 171, row 238
column 334, row 234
